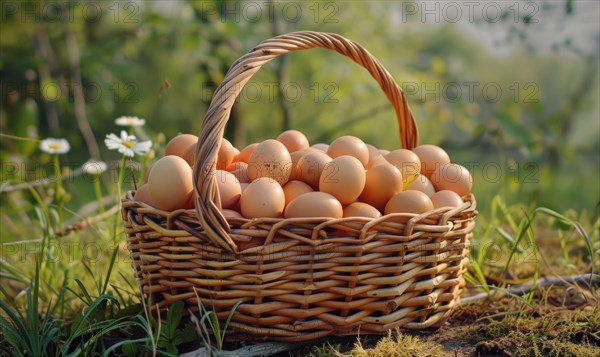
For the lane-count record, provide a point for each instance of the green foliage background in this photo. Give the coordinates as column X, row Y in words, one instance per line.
column 538, row 143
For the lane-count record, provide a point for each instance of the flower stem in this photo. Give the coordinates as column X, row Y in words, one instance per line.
column 58, row 199
column 121, row 175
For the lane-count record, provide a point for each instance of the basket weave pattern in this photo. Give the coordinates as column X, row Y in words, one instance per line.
column 313, row 277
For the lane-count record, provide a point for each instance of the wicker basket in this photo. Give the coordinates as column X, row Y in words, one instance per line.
column 312, row 277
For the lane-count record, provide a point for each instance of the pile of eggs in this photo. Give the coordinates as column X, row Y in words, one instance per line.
column 288, row 178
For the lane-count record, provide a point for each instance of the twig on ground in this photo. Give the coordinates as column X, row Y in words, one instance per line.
column 261, row 349
column 525, row 288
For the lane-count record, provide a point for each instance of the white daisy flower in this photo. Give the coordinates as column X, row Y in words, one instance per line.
column 130, row 121
column 94, row 168
column 127, row 145
column 55, row 146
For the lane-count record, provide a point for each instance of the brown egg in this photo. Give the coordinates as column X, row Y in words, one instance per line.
column 170, row 183
column 263, row 197
column 374, row 156
column 229, row 214
column 422, row 183
column 226, row 154
column 382, row 183
column 293, row 140
column 191, row 203
column 143, row 195
column 270, row 159
column 236, row 152
column 344, row 178
column 446, row 198
column 452, row 177
column 349, row 145
column 409, row 202
column 252, row 243
column 147, row 173
column 181, row 146
column 431, row 157
column 293, row 189
column 314, row 204
column 296, row 155
column 311, row 166
column 229, row 188
column 239, row 169
column 321, row 147
column 361, row 209
column 407, row 162
column 244, row 155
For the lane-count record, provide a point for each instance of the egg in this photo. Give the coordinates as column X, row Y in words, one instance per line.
column 252, row 243
column 244, row 155
column 446, row 198
column 236, row 152
column 191, row 203
column 344, row 178
column 170, row 183
column 243, row 186
column 226, row 154
column 293, row 189
column 382, row 183
column 422, row 183
column 296, row 155
column 147, row 173
column 384, row 152
column 231, row 214
column 293, row 140
column 184, row 146
column 409, row 202
column 229, row 188
column 321, row 147
column 263, row 197
column 270, row 159
column 239, row 169
column 314, row 204
column 143, row 195
column 361, row 209
column 407, row 162
column 310, row 167
column 452, row 177
column 349, row 145
column 431, row 158
column 374, row 156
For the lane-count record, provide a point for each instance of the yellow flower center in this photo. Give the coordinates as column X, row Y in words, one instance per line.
column 54, row 146
column 129, row 144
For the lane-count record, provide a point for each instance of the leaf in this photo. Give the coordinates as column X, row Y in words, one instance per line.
column 188, row 334
column 175, row 313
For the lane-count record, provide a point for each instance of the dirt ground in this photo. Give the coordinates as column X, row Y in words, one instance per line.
column 560, row 321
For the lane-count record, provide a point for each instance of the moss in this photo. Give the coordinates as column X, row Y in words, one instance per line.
column 555, row 333
column 396, row 344
column 491, row 331
column 543, row 347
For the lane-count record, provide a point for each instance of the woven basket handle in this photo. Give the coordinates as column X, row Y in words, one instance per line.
column 208, row 204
